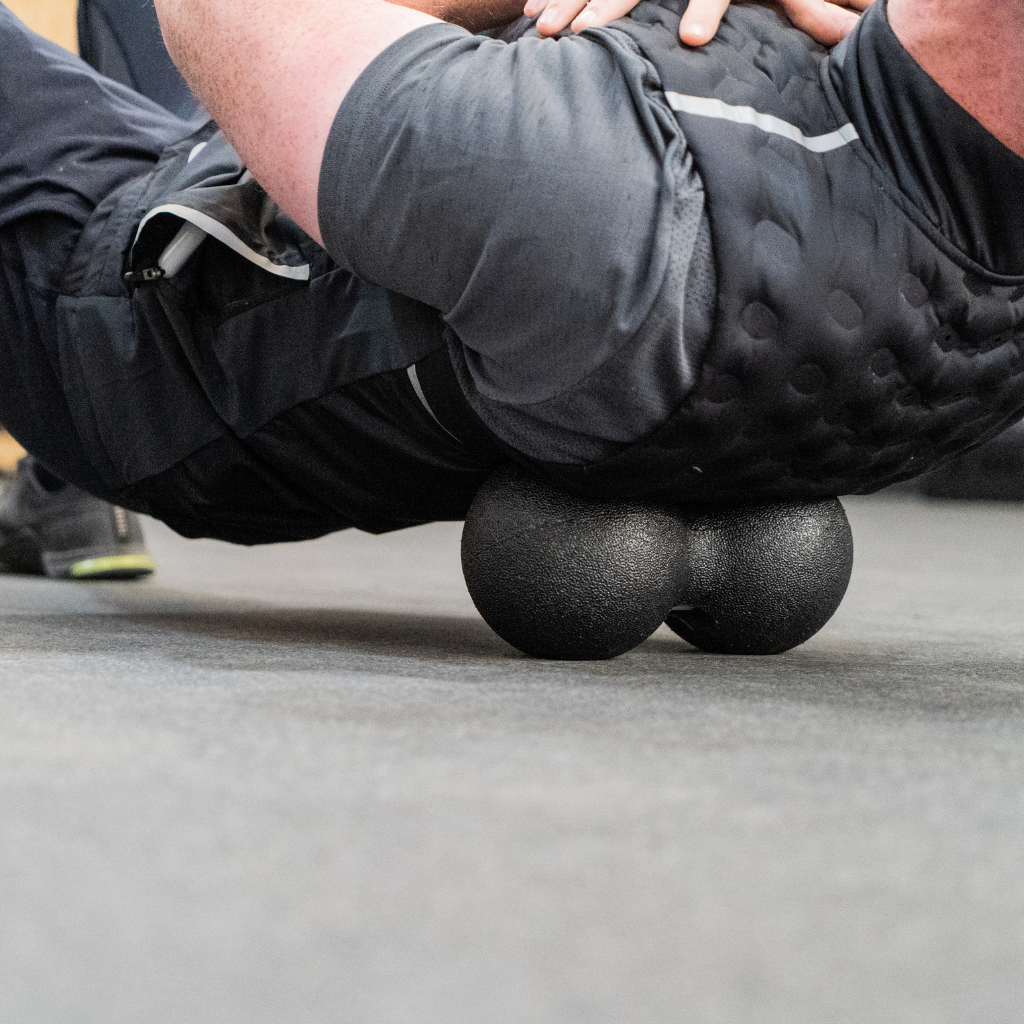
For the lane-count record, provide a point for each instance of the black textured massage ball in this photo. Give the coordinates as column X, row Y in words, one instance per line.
column 763, row 578
column 564, row 577
column 559, row 576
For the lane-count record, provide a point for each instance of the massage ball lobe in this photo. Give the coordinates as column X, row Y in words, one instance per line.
column 763, row 578
column 563, row 577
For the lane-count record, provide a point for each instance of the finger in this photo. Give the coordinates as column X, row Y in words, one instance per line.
column 534, row 7
column 557, row 14
column 824, row 22
column 601, row 12
column 860, row 5
column 701, row 20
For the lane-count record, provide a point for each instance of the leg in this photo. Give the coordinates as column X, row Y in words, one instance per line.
column 70, row 137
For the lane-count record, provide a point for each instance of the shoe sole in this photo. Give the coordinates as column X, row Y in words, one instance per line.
column 22, row 556
column 111, row 567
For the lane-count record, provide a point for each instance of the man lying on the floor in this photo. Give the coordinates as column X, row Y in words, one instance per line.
column 749, row 269
column 545, row 226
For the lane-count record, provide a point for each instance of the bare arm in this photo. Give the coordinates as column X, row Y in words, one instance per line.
column 273, row 74
column 974, row 49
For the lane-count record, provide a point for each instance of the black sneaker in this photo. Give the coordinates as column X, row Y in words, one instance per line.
column 51, row 528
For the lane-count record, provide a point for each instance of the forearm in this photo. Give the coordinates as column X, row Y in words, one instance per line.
column 972, row 49
column 273, row 73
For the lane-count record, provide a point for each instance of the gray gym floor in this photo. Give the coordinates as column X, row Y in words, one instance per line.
column 307, row 783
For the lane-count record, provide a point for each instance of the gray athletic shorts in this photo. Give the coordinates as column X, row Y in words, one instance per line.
column 540, row 194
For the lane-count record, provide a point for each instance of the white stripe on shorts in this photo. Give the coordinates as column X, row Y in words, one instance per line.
column 702, row 106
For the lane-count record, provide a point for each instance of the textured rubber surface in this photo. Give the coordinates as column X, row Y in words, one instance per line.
column 306, row 783
column 559, row 576
column 764, row 578
column 565, row 577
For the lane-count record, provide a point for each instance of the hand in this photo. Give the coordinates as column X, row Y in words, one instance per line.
column 826, row 23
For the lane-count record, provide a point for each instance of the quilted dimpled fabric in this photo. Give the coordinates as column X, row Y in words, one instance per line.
column 854, row 346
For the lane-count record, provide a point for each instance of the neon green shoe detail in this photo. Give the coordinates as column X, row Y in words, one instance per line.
column 113, row 565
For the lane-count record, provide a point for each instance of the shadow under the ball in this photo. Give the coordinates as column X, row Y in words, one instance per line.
column 312, row 638
column 258, row 638
column 250, row 635
column 387, row 634
column 453, row 640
